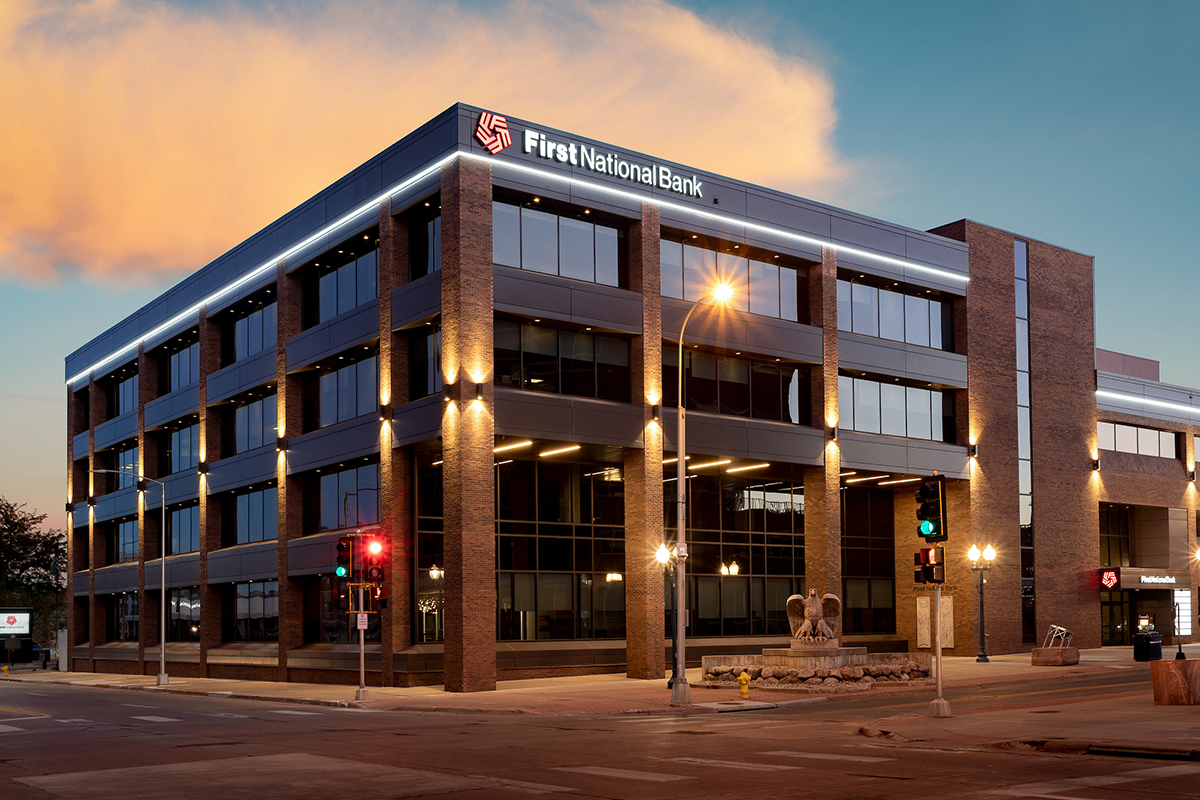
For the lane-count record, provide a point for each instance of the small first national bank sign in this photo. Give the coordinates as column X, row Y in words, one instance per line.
column 493, row 133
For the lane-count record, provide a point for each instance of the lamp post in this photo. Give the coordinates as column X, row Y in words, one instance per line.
column 988, row 555
column 663, row 556
column 680, row 693
column 162, row 625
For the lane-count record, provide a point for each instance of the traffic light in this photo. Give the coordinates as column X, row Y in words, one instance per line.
column 929, row 565
column 345, row 557
column 373, row 560
column 379, row 597
column 931, row 509
column 343, row 593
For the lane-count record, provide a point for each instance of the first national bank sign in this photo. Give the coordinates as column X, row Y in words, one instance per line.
column 492, row 132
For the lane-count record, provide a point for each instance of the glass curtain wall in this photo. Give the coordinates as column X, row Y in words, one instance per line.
column 1024, row 444
column 756, row 524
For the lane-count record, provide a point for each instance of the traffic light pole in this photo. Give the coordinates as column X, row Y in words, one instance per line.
column 938, row 707
column 362, row 693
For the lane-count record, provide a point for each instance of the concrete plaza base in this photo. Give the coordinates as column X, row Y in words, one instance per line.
column 1176, row 683
column 1054, row 656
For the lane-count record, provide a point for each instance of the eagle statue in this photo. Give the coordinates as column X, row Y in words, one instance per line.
column 811, row 616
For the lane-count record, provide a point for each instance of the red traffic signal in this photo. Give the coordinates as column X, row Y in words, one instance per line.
column 929, row 565
column 373, row 560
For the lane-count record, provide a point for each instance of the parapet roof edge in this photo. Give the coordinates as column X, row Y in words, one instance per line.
column 457, row 150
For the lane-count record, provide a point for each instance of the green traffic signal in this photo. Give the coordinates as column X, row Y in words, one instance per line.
column 342, row 572
column 928, row 528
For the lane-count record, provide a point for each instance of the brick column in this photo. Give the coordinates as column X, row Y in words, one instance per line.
column 395, row 478
column 210, row 509
column 468, row 427
column 291, row 490
column 644, row 621
column 822, row 485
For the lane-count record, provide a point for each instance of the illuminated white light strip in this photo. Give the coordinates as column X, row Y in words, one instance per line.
column 567, row 449
column 267, row 265
column 502, row 448
column 721, row 218
column 750, row 226
column 871, row 478
column 710, row 464
column 1150, row 401
column 751, row 466
column 889, row 483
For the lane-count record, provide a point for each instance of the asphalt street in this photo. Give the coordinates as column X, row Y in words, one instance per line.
column 72, row 741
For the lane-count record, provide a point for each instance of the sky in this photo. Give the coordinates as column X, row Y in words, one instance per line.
column 143, row 138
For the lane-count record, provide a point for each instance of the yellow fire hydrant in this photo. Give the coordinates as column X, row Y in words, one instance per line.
column 6, row 670
column 744, row 685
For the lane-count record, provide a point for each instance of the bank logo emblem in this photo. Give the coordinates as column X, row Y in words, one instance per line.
column 1108, row 579
column 11, row 620
column 492, row 132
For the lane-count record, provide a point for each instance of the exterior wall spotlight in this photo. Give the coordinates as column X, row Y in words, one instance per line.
column 1191, row 476
column 973, row 450
column 1096, row 464
column 448, row 392
column 281, row 444
column 385, row 412
column 202, row 468
column 655, row 412
column 479, row 391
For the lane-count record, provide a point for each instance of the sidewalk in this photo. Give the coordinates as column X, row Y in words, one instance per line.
column 1123, row 722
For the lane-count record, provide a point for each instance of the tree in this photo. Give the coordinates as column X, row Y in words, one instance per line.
column 32, row 564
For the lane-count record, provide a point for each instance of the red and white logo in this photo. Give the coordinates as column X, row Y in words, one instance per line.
column 11, row 620
column 492, row 132
column 1108, row 579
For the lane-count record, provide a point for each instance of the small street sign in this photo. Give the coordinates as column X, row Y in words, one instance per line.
column 362, row 622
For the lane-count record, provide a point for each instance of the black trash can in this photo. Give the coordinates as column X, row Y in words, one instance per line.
column 1147, row 646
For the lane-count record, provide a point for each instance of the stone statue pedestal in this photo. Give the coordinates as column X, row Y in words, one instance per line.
column 805, row 647
column 820, row 656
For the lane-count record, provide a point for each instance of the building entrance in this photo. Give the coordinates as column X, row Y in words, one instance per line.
column 1117, row 622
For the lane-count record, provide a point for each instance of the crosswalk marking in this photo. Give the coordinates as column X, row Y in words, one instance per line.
column 158, row 719
column 299, row 713
column 828, row 756
column 629, row 774
column 8, row 729
column 712, row 762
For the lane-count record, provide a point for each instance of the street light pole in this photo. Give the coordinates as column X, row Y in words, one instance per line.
column 162, row 625
column 680, row 692
column 989, row 554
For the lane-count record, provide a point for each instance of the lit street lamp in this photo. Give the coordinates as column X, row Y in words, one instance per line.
column 663, row 556
column 162, row 627
column 680, row 693
column 988, row 555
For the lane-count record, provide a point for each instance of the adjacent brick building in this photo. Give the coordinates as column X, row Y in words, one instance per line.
column 472, row 352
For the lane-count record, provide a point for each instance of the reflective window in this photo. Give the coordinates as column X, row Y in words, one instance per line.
column 737, row 386
column 349, row 391
column 573, row 246
column 425, row 363
column 250, row 612
column 127, row 463
column 183, row 614
column 183, row 529
column 121, row 617
column 183, row 448
column 255, row 424
column 544, row 359
column 257, row 516
column 349, row 498
column 900, row 314
column 870, row 406
column 347, row 284
column 1134, row 439
column 760, row 285
column 184, row 367
column 424, row 239
column 254, row 332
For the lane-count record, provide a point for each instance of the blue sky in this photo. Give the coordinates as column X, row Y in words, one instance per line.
column 1071, row 122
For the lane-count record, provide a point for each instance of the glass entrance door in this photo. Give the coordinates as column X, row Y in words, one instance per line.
column 1116, row 618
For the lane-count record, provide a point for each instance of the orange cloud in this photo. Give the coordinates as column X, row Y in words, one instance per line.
column 141, row 139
